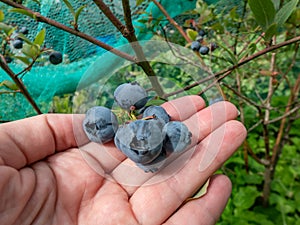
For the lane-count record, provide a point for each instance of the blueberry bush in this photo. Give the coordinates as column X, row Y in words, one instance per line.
column 250, row 48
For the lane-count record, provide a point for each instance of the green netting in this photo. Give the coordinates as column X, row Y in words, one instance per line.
column 46, row 80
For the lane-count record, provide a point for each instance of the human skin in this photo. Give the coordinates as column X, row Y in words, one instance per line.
column 47, row 179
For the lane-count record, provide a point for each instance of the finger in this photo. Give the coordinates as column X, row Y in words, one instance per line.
column 108, row 157
column 184, row 107
column 207, row 209
column 29, row 140
column 200, row 125
column 170, row 194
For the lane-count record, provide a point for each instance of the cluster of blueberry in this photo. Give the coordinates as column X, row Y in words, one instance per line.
column 148, row 140
column 197, row 44
column 55, row 57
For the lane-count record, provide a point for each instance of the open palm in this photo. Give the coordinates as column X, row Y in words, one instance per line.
column 50, row 174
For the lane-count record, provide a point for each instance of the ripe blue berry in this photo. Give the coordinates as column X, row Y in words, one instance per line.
column 202, row 33
column 158, row 112
column 177, row 137
column 55, row 57
column 24, row 30
column 18, row 44
column 140, row 140
column 100, row 124
column 204, row 50
column 130, row 96
column 195, row 46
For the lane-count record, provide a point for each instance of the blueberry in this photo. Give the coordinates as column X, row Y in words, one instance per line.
column 177, row 137
column 213, row 46
column 8, row 59
column 204, row 50
column 100, row 124
column 130, row 96
column 199, row 39
column 55, row 57
column 195, row 46
column 140, row 140
column 24, row 30
column 202, row 33
column 18, row 44
column 158, row 112
column 155, row 165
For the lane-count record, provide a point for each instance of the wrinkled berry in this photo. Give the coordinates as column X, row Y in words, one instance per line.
column 177, row 137
column 140, row 140
column 100, row 124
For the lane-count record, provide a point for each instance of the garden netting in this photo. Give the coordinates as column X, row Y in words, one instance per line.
column 81, row 58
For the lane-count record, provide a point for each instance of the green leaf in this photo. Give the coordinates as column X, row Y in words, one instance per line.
column 245, row 197
column 9, row 84
column 284, row 13
column 264, row 12
column 31, row 51
column 270, row 32
column 78, row 13
column 25, row 60
column 24, row 38
column 68, row 4
column 40, row 37
column 192, row 34
column 1, row 16
column 6, row 28
column 138, row 2
column 156, row 101
column 276, row 4
column 233, row 58
column 24, row 12
column 202, row 191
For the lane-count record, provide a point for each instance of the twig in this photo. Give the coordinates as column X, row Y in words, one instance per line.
column 128, row 32
column 19, row 83
column 222, row 74
column 172, row 21
column 287, row 114
column 113, row 19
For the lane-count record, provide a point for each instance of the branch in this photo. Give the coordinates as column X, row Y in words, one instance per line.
column 19, row 83
column 109, row 14
column 172, row 21
column 142, row 61
column 70, row 30
column 293, row 96
column 222, row 74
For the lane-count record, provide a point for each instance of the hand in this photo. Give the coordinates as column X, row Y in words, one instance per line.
column 50, row 174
